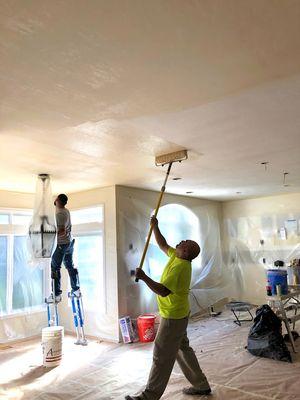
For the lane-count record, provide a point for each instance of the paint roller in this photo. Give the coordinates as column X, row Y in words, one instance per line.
column 162, row 160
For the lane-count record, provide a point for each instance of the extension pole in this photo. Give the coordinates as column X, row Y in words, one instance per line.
column 162, row 191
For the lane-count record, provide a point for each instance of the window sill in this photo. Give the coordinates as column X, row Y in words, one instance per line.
column 24, row 313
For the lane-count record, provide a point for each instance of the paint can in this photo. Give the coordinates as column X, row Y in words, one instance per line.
column 146, row 324
column 52, row 338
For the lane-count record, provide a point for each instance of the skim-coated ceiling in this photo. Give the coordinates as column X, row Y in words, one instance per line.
column 91, row 91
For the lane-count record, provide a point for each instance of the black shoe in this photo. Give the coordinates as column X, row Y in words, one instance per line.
column 196, row 392
column 133, row 398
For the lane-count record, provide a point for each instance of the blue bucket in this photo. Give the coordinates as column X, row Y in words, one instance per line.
column 277, row 277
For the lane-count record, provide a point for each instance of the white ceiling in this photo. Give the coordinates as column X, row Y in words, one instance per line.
column 92, row 90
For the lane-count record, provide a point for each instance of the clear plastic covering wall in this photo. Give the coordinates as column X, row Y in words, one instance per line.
column 253, row 244
column 179, row 218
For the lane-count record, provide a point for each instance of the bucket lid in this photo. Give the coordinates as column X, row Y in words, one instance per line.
column 52, row 329
column 147, row 316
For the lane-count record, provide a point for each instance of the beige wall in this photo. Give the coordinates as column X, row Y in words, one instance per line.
column 287, row 203
column 16, row 200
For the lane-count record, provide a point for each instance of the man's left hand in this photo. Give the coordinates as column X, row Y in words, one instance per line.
column 140, row 274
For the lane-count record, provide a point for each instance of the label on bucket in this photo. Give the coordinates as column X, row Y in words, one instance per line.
column 52, row 346
column 148, row 334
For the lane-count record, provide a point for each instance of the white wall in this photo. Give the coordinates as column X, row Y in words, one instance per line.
column 246, row 222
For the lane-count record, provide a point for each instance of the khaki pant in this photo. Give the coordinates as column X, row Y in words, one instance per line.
column 172, row 344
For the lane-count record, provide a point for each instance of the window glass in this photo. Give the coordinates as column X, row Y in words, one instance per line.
column 88, row 258
column 4, row 219
column 27, row 280
column 176, row 223
column 87, row 215
column 3, row 273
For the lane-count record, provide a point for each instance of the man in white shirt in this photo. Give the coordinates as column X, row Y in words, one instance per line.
column 64, row 249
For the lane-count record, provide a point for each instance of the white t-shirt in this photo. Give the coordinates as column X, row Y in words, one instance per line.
column 63, row 220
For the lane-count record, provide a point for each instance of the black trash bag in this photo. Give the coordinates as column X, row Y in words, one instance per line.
column 265, row 337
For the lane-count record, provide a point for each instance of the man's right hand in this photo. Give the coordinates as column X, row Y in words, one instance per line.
column 160, row 240
column 154, row 221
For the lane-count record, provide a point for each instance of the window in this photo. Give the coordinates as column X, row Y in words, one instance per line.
column 27, row 280
column 21, row 285
column 4, row 219
column 176, row 223
column 89, row 255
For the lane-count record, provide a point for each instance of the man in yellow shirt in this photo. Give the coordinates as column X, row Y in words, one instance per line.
column 171, row 342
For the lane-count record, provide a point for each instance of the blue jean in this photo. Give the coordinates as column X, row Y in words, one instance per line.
column 64, row 253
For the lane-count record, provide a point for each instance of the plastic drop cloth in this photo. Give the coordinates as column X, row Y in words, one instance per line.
column 179, row 218
column 105, row 371
column 252, row 245
column 25, row 315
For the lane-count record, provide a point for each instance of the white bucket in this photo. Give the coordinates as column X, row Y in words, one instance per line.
column 52, row 338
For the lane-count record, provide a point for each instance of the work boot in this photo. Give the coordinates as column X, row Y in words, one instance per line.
column 196, row 392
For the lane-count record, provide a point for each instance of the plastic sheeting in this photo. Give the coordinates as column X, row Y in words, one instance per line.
column 42, row 230
column 180, row 218
column 103, row 371
column 253, row 244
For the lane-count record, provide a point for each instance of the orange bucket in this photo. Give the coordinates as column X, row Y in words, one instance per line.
column 145, row 325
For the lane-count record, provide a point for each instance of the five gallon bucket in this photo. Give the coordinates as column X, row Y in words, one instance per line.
column 145, row 325
column 277, row 277
column 52, row 338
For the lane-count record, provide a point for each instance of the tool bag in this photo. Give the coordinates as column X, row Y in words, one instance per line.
column 265, row 336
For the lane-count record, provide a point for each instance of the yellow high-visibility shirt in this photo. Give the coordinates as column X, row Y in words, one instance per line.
column 177, row 278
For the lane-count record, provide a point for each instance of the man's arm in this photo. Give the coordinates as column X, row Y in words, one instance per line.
column 160, row 240
column 156, row 287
